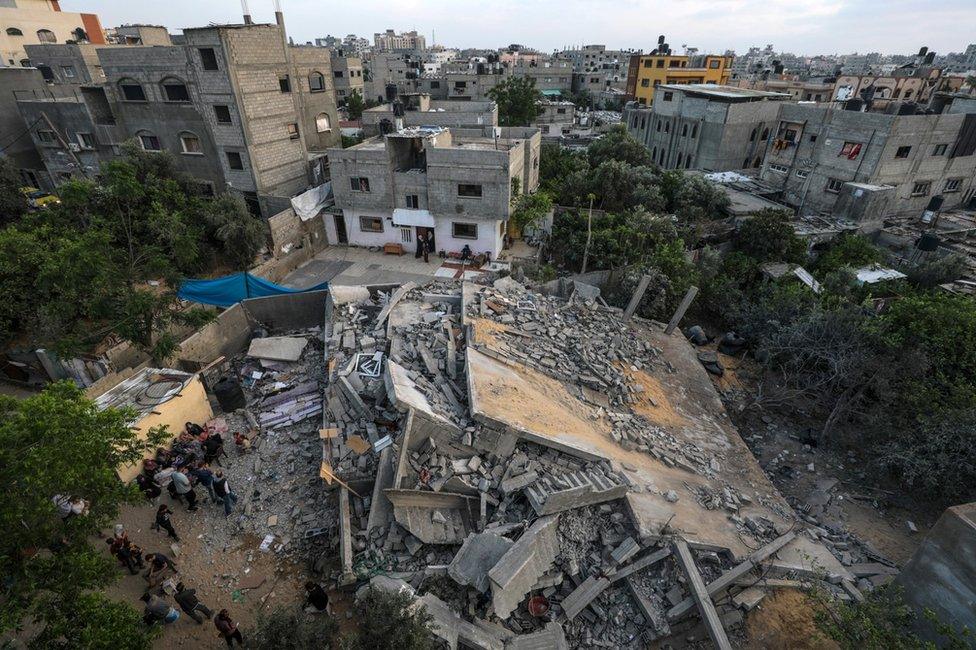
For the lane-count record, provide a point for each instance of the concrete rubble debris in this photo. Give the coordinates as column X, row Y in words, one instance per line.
column 479, row 553
column 523, row 564
column 277, row 348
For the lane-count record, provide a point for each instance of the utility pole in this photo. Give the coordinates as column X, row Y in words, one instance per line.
column 589, row 234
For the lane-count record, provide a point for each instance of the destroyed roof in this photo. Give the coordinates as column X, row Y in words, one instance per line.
column 146, row 390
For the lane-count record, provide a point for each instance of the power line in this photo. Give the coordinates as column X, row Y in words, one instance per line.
column 22, row 134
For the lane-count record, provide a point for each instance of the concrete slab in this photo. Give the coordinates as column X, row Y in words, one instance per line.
column 278, row 348
column 524, row 563
column 478, row 554
column 434, row 517
column 552, row 637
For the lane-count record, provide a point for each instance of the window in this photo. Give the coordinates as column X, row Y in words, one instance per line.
column 802, row 173
column 45, row 136
column 464, row 230
column 191, row 144
column 694, row 131
column 208, row 58
column 660, row 63
column 921, row 189
column 132, row 91
column 316, row 81
column 779, row 169
column 86, row 140
column 850, row 150
column 435, row 84
column 293, row 130
column 284, row 83
column 175, row 90
column 667, row 127
column 648, row 63
column 765, row 134
column 323, row 124
column 952, row 185
column 645, row 83
column 668, row 95
column 469, row 191
column 371, row 224
column 13, row 31
column 834, row 185
column 684, row 130
column 813, row 138
column 460, row 84
column 46, row 36
column 413, row 201
column 68, row 71
column 150, row 142
column 903, row 152
column 715, row 64
column 359, row 184
column 222, row 113
column 560, row 111
column 940, row 149
column 234, row 160
column 752, row 136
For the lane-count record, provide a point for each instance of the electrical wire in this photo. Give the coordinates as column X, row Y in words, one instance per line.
column 20, row 135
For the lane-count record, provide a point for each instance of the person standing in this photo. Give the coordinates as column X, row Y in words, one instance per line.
column 223, row 492
column 158, row 609
column 163, row 521
column 158, row 564
column 148, row 487
column 228, row 628
column 184, row 489
column 205, row 477
column 189, row 603
column 213, row 448
column 421, row 245
column 428, row 248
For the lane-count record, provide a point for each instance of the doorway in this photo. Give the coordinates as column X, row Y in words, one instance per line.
column 425, row 232
column 340, row 226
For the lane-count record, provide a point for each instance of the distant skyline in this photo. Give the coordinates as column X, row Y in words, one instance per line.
column 800, row 26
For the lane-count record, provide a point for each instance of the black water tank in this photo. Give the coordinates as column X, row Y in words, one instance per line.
column 229, row 394
column 928, row 242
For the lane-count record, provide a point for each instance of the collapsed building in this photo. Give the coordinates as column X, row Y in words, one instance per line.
column 541, row 472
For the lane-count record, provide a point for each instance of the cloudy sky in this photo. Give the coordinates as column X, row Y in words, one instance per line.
column 800, row 26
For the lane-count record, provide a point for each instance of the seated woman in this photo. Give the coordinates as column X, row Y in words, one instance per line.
column 193, row 429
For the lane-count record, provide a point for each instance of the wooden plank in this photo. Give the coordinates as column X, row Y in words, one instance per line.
column 641, row 564
column 682, row 308
column 636, row 298
column 728, row 578
column 345, row 537
column 700, row 595
column 583, row 595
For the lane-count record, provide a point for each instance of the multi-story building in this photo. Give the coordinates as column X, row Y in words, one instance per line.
column 383, row 70
column 648, row 71
column 555, row 119
column 455, row 184
column 71, row 64
column 707, row 127
column 390, row 41
column 139, row 35
column 347, row 77
column 238, row 108
column 418, row 109
column 826, row 160
column 879, row 90
column 553, row 77
column 597, row 69
column 817, row 89
column 27, row 22
column 23, row 83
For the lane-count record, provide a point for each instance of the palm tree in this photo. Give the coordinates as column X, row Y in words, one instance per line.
column 971, row 82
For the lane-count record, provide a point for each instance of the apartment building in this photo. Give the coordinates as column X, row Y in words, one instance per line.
column 816, row 89
column 827, row 160
column 69, row 64
column 239, row 109
column 21, row 83
column 555, row 119
column 553, row 77
column 347, row 77
column 597, row 69
column 390, row 41
column 26, row 22
column 647, row 72
column 455, row 184
column 704, row 126
column 419, row 109
column 384, row 70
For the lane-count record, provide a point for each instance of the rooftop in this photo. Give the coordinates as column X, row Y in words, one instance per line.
column 146, row 390
column 724, row 92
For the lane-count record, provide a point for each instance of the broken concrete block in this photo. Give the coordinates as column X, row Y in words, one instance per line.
column 278, row 348
column 626, row 550
column 552, row 637
column 478, row 554
column 583, row 595
column 516, row 483
column 524, row 563
column 574, row 490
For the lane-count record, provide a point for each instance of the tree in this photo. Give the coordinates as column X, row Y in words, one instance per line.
column 290, row 628
column 355, row 105
column 930, row 273
column 556, row 164
column 240, row 234
column 13, row 203
column 517, row 100
column 618, row 145
column 850, row 251
column 391, row 621
column 58, row 443
column 530, row 209
column 768, row 236
column 970, row 82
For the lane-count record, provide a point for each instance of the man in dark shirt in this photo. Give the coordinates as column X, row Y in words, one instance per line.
column 158, row 565
column 189, row 603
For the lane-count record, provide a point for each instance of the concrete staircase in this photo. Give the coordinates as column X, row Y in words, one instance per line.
column 575, row 490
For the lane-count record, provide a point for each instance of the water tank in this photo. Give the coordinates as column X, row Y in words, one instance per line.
column 928, row 242
column 229, row 394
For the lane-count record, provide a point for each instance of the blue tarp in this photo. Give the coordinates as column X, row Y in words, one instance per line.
column 231, row 289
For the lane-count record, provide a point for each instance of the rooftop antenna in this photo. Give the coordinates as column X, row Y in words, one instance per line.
column 247, row 13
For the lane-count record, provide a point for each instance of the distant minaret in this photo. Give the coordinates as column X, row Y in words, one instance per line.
column 433, row 37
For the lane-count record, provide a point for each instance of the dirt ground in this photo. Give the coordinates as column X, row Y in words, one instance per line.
column 784, row 621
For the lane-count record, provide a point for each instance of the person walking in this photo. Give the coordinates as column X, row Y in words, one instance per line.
column 189, row 603
column 205, row 477
column 163, row 521
column 184, row 488
column 421, row 245
column 158, row 610
column 228, row 628
column 223, row 492
column 158, row 565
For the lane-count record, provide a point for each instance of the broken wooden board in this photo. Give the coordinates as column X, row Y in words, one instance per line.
column 700, row 596
column 358, row 445
column 278, row 348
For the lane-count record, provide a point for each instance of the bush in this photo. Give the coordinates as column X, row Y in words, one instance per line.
column 391, row 621
column 769, row 237
column 289, row 628
column 932, row 272
column 848, row 251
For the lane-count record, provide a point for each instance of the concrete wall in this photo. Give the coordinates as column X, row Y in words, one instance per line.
column 70, row 63
column 14, row 83
column 308, row 60
column 225, row 335
column 941, row 575
column 291, row 311
column 29, row 16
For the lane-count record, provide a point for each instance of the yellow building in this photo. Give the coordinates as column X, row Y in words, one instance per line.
column 28, row 22
column 648, row 71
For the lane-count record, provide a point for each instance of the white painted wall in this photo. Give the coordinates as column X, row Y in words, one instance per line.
column 489, row 233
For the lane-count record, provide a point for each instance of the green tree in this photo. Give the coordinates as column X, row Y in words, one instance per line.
column 530, row 209
column 768, row 236
column 556, row 164
column 618, row 145
column 517, row 100
column 13, row 203
column 970, row 82
column 289, row 628
column 391, row 621
column 355, row 105
column 58, row 443
column 239, row 233
column 850, row 251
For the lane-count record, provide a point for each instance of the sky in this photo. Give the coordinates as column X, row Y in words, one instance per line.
column 798, row 26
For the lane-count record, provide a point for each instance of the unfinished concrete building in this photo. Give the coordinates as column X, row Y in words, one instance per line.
column 418, row 109
column 868, row 166
column 555, row 118
column 347, row 77
column 239, row 108
column 454, row 184
column 704, row 126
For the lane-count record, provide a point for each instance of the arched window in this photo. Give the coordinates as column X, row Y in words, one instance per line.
column 149, row 142
column 13, row 31
column 316, row 82
column 322, row 123
column 131, row 90
column 174, row 90
column 46, row 36
column 190, row 143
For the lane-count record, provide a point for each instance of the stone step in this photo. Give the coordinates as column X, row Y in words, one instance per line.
column 574, row 490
